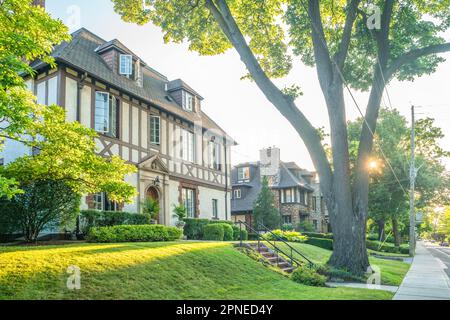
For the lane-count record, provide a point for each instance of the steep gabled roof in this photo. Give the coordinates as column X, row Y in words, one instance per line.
column 82, row 53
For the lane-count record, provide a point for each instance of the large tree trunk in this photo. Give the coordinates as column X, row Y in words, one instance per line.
column 396, row 232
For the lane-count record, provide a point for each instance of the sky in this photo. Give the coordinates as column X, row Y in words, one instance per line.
column 238, row 106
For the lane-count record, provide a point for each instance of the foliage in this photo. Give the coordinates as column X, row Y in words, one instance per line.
column 291, row 236
column 318, row 235
column 388, row 201
column 43, row 204
column 444, row 223
column 287, row 227
column 28, row 33
column 95, row 218
column 193, row 229
column 387, row 247
column 238, row 232
column 151, row 207
column 309, row 277
column 321, row 242
column 134, row 233
column 214, row 232
column 180, row 212
column 228, row 233
column 264, row 211
column 305, row 226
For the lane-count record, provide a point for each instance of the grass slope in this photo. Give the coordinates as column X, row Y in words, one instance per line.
column 177, row 270
column 392, row 272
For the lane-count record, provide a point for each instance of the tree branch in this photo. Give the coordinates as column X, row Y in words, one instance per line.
column 321, row 51
column 341, row 55
column 284, row 104
column 412, row 55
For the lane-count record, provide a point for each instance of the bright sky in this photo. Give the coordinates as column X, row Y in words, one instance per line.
column 238, row 106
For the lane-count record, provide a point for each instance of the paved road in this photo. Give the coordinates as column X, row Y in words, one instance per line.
column 443, row 254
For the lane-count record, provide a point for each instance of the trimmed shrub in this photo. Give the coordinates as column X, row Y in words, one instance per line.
column 321, row 242
column 213, row 231
column 134, row 233
column 231, row 223
column 309, row 277
column 287, row 227
column 93, row 218
column 387, row 247
column 227, row 231
column 237, row 233
column 291, row 236
column 318, row 235
column 194, row 228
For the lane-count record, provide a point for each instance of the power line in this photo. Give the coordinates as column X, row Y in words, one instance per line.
column 350, row 92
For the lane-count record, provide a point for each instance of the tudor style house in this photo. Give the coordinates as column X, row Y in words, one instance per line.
column 296, row 190
column 158, row 125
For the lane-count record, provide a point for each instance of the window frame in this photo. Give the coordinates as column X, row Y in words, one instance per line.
column 245, row 177
column 128, row 68
column 189, row 203
column 188, row 101
column 215, row 209
column 237, row 192
column 188, row 146
column 112, row 115
column 157, row 133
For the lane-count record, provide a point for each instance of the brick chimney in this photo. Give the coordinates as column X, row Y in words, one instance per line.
column 40, row 3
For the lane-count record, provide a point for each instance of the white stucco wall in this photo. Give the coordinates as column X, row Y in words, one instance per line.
column 133, row 180
column 206, row 207
column 71, row 99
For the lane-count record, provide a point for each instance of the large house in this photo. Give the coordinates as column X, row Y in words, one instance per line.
column 157, row 125
column 296, row 191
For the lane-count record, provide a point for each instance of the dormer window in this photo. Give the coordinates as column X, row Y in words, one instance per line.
column 126, row 65
column 243, row 174
column 188, row 101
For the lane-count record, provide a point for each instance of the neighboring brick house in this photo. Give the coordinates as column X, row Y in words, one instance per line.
column 296, row 190
column 157, row 125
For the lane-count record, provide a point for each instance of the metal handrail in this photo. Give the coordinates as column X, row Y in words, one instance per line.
column 285, row 242
column 277, row 249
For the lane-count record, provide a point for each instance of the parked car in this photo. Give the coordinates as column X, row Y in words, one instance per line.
column 443, row 244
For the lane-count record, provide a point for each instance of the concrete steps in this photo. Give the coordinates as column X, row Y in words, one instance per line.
column 272, row 257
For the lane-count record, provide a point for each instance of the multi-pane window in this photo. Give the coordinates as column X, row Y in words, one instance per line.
column 106, row 115
column 155, row 130
column 243, row 174
column 215, row 213
column 101, row 202
column 314, row 203
column 315, row 224
column 126, row 65
column 188, row 196
column 188, row 101
column 288, row 196
column 215, row 154
column 187, row 146
column 287, row 219
column 237, row 193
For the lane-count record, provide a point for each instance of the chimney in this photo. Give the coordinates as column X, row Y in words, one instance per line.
column 40, row 3
column 270, row 163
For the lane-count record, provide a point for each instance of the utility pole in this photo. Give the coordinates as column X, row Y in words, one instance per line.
column 412, row 180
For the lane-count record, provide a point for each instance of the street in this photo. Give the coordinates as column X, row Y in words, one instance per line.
column 443, row 254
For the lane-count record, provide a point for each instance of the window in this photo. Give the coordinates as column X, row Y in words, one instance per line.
column 288, row 196
column 215, row 154
column 126, row 65
column 315, row 224
column 302, row 197
column 237, row 194
column 314, row 203
column 244, row 174
column 188, row 196
column 187, row 146
column 106, row 114
column 102, row 203
column 155, row 130
column 287, row 219
column 215, row 214
column 188, row 101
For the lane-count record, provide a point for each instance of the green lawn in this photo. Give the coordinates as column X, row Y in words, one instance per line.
column 176, row 270
column 392, row 272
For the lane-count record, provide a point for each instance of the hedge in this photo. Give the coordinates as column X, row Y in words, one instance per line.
column 134, row 233
column 193, row 228
column 213, row 231
column 227, row 231
column 93, row 218
column 237, row 233
column 318, row 235
column 321, row 242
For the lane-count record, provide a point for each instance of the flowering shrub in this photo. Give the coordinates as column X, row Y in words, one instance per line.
column 291, row 236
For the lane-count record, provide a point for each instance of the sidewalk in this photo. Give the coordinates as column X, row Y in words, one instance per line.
column 426, row 280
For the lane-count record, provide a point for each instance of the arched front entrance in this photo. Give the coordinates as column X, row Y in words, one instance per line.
column 153, row 193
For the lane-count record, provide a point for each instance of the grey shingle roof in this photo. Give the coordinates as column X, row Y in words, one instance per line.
column 287, row 180
column 81, row 53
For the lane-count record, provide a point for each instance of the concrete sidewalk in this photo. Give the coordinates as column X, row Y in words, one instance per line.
column 426, row 279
